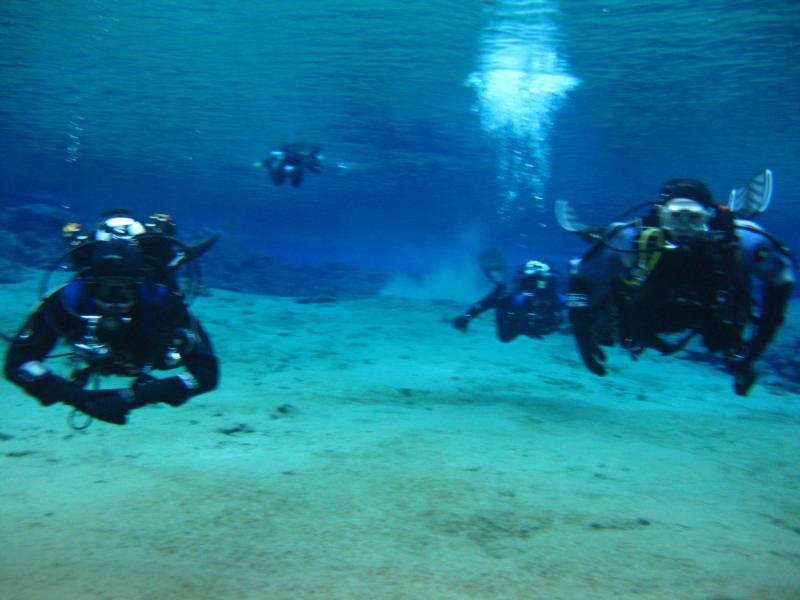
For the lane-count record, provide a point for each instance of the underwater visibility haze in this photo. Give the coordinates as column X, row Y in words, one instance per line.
column 446, row 125
column 370, row 435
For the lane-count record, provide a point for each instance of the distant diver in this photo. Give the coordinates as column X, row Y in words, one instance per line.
column 291, row 162
column 532, row 308
column 689, row 265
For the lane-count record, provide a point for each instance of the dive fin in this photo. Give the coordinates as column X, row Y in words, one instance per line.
column 493, row 266
column 568, row 219
column 200, row 247
column 753, row 199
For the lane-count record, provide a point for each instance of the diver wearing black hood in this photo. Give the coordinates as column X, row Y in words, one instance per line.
column 117, row 321
column 689, row 265
column 163, row 254
column 533, row 308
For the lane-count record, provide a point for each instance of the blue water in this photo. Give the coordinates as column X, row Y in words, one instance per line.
column 447, row 125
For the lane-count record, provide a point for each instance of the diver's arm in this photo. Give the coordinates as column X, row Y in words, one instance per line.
column 590, row 284
column 763, row 258
column 200, row 361
column 774, row 299
column 491, row 300
column 26, row 355
column 770, row 263
column 25, row 367
column 201, row 374
column 582, row 316
column 31, row 343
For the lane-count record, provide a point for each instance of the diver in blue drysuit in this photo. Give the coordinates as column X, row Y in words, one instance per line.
column 688, row 266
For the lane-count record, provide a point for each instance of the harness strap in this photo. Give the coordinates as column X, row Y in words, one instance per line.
column 650, row 247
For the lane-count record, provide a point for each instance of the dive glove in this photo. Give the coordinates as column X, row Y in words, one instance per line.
column 171, row 390
column 107, row 405
column 461, row 322
column 773, row 307
column 744, row 377
column 593, row 356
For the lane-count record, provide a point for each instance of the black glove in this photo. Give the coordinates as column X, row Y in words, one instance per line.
column 151, row 391
column 592, row 356
column 461, row 322
column 112, row 406
column 744, row 380
column 107, row 405
column 50, row 389
column 773, row 307
column 744, row 375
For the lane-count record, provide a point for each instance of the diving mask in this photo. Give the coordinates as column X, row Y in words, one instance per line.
column 683, row 219
column 119, row 228
column 114, row 295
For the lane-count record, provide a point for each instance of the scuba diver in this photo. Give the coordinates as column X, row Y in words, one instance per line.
column 117, row 321
column 533, row 308
column 163, row 253
column 291, row 162
column 689, row 265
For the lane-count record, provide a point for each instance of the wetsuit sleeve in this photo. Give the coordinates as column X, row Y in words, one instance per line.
column 590, row 283
column 582, row 316
column 491, row 300
column 201, row 362
column 31, row 343
column 774, row 299
column 202, row 370
column 26, row 355
column 764, row 259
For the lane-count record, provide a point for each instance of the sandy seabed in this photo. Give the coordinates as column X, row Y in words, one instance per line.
column 364, row 449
